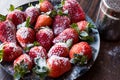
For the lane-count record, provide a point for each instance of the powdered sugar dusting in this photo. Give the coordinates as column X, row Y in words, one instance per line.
column 23, row 32
column 55, row 60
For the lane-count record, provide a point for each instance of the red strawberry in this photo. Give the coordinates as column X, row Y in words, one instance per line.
column 45, row 6
column 42, row 21
column 33, row 13
column 81, row 52
column 7, row 31
column 17, row 17
column 22, row 65
column 59, row 49
column 74, row 9
column 60, row 23
column 25, row 36
column 54, row 67
column 37, row 51
column 67, row 34
column 10, row 51
column 82, row 25
column 44, row 37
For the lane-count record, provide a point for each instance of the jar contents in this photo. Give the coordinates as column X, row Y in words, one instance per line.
column 108, row 20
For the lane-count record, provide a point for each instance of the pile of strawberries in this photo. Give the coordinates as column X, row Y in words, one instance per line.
column 45, row 40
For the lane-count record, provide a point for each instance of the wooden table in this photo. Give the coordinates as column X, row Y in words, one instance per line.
column 107, row 65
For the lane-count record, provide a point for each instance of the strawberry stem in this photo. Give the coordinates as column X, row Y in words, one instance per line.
column 40, row 68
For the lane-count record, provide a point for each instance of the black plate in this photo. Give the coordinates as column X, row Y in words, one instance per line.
column 76, row 71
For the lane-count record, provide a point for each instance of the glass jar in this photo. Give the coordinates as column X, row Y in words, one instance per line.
column 108, row 20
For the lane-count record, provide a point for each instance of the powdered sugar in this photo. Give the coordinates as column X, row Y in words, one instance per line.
column 56, row 60
column 24, row 32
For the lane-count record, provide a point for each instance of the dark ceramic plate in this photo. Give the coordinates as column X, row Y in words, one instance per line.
column 76, row 70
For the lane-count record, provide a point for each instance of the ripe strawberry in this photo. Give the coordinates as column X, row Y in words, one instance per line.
column 82, row 25
column 59, row 49
column 22, row 65
column 25, row 36
column 60, row 23
column 7, row 31
column 33, row 13
column 81, row 52
column 67, row 34
column 45, row 6
column 37, row 51
column 44, row 37
column 74, row 9
column 10, row 51
column 54, row 67
column 42, row 21
column 17, row 17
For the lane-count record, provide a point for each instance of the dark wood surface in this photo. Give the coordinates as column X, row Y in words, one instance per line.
column 107, row 65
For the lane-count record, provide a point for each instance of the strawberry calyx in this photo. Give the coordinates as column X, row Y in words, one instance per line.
column 20, row 70
column 51, row 13
column 75, row 26
column 85, row 35
column 79, row 59
column 41, row 70
column 27, row 22
column 69, row 43
column 1, row 55
column 40, row 1
column 2, row 17
column 29, row 46
column 1, row 52
column 12, row 8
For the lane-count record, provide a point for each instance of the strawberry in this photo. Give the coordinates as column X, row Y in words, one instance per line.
column 7, row 31
column 82, row 25
column 37, row 51
column 17, row 17
column 54, row 67
column 74, row 9
column 80, row 53
column 9, row 51
column 67, row 34
column 42, row 21
column 59, row 49
column 60, row 23
column 25, row 35
column 45, row 6
column 45, row 36
column 22, row 65
column 33, row 13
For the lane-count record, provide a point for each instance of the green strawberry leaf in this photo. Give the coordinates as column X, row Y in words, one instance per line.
column 27, row 22
column 20, row 8
column 1, row 52
column 20, row 70
column 75, row 26
column 40, row 1
column 40, row 68
column 86, row 37
column 52, row 13
column 79, row 59
column 61, row 13
column 69, row 43
column 2, row 17
column 12, row 8
column 1, row 55
column 62, row 2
